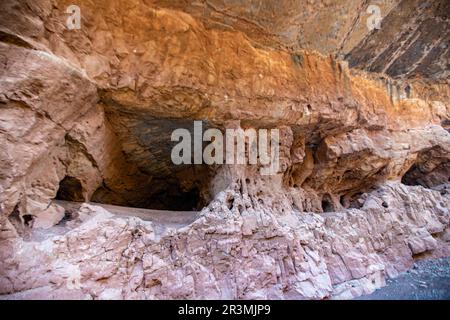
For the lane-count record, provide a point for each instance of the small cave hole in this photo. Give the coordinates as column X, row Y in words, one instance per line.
column 408, row 91
column 70, row 189
column 412, row 177
column 28, row 220
column 230, row 203
column 327, row 204
column 343, row 201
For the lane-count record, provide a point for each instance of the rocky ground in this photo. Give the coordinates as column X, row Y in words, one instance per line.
column 427, row 280
column 236, row 248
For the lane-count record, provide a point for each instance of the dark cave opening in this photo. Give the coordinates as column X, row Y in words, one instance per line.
column 174, row 198
column 185, row 190
column 327, row 204
column 412, row 177
column 431, row 169
column 70, row 189
column 28, row 219
column 343, row 201
column 147, row 176
column 167, row 195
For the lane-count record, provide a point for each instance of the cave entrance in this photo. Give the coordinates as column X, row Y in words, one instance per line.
column 141, row 173
column 412, row 177
column 70, row 189
column 327, row 204
column 174, row 198
column 185, row 190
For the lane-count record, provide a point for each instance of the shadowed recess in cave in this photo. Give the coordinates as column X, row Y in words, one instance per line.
column 164, row 195
column 70, row 189
column 327, row 204
column 427, row 174
column 147, row 178
column 155, row 182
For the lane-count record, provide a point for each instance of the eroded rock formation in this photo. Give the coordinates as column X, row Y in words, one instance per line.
column 87, row 115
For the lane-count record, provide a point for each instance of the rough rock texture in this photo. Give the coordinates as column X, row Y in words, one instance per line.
column 237, row 249
column 86, row 115
column 412, row 42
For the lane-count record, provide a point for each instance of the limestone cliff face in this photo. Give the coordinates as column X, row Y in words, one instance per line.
column 87, row 115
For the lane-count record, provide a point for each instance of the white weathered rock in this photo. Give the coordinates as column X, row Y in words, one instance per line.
column 293, row 255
